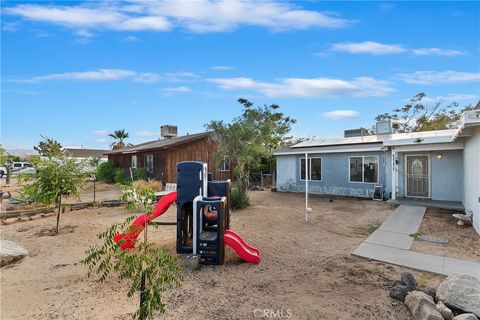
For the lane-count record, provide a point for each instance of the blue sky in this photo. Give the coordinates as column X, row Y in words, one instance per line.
column 75, row 71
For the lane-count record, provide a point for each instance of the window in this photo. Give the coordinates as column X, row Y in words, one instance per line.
column 149, row 162
column 134, row 162
column 225, row 163
column 364, row 169
column 315, row 168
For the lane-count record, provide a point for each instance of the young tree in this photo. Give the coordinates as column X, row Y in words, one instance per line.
column 49, row 148
column 417, row 115
column 149, row 264
column 119, row 136
column 251, row 137
column 54, row 178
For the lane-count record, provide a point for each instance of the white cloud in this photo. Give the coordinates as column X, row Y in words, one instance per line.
column 376, row 48
column 438, row 52
column 147, row 134
column 453, row 97
column 195, row 16
column 95, row 75
column 99, row 16
column 438, row 77
column 341, row 114
column 180, row 76
column 100, row 132
column 171, row 91
column 369, row 47
column 317, row 87
column 84, row 33
column 130, row 39
column 221, row 68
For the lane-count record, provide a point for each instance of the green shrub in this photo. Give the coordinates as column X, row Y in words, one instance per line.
column 239, row 197
column 106, row 172
column 120, row 176
column 140, row 174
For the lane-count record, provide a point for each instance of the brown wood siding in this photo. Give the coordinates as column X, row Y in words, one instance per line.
column 165, row 161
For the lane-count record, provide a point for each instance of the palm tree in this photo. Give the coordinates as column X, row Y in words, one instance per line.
column 119, row 136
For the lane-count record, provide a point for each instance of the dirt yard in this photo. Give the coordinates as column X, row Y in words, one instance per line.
column 306, row 269
column 463, row 242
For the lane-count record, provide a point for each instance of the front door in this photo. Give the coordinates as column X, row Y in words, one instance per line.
column 417, row 176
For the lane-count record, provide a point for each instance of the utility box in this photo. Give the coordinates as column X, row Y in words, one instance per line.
column 168, row 131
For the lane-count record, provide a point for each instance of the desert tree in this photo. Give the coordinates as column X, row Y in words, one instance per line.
column 251, row 137
column 49, row 148
column 54, row 178
column 418, row 115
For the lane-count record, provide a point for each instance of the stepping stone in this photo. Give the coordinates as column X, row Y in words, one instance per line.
column 10, row 252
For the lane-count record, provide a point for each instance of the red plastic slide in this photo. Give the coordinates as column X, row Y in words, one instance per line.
column 138, row 224
column 244, row 251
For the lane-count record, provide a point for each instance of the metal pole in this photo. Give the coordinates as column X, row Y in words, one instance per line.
column 94, row 189
column 306, row 186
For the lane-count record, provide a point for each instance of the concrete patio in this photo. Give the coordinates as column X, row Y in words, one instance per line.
column 392, row 241
column 428, row 203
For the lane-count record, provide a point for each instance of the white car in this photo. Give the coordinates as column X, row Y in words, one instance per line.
column 21, row 165
column 3, row 171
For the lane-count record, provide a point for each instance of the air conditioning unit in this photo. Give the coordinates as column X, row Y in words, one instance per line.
column 471, row 117
column 168, row 131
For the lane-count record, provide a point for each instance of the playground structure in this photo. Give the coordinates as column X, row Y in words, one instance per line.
column 203, row 217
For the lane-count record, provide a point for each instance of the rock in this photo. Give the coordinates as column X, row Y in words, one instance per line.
column 444, row 311
column 10, row 252
column 430, row 291
column 464, row 219
column 400, row 289
column 461, row 292
column 466, row 316
column 399, row 292
column 425, row 237
column 408, row 279
column 422, row 306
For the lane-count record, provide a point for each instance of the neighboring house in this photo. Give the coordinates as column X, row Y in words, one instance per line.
column 160, row 157
column 437, row 165
column 82, row 154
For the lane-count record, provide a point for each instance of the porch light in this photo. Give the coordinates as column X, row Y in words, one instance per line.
column 439, row 156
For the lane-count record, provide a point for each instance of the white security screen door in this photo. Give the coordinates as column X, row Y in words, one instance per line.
column 417, row 176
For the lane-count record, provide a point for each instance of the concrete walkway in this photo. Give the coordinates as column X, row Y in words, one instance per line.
column 391, row 243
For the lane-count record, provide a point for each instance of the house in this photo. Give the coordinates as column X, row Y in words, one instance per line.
column 439, row 165
column 161, row 156
column 82, row 154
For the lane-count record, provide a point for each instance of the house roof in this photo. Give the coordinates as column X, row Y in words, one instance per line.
column 161, row 144
column 371, row 142
column 85, row 153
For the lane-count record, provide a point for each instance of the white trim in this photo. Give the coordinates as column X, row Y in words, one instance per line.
column 429, row 175
column 136, row 161
column 195, row 223
column 363, row 169
column 431, row 147
column 327, row 150
column 310, row 175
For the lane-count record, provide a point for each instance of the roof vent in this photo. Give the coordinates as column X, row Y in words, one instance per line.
column 356, row 133
column 168, row 131
column 384, row 127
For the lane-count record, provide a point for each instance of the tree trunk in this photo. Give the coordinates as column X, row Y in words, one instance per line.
column 58, row 214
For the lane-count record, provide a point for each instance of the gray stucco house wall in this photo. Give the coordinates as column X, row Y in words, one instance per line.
column 335, row 174
column 446, row 174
